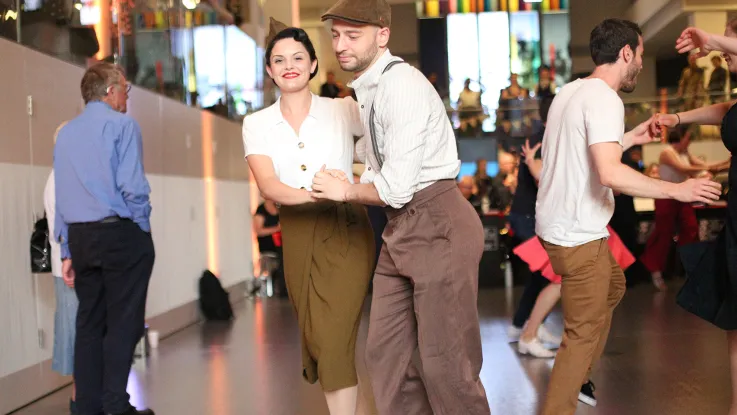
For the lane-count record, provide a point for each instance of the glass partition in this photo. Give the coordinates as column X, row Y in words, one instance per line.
column 186, row 50
column 498, row 49
column 637, row 110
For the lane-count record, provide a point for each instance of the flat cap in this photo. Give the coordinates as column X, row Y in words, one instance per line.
column 275, row 27
column 371, row 12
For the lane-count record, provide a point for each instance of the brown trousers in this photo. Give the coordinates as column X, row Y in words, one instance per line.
column 592, row 286
column 425, row 296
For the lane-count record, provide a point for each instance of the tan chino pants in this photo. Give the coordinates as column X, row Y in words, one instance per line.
column 592, row 286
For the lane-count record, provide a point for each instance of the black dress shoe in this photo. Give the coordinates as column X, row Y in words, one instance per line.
column 134, row 411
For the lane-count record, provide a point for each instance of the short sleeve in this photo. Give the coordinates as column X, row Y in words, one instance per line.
column 254, row 141
column 353, row 115
column 604, row 118
column 261, row 210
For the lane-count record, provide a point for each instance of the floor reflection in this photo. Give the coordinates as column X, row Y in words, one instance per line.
column 659, row 360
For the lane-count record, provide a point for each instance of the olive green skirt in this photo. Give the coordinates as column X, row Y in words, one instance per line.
column 328, row 262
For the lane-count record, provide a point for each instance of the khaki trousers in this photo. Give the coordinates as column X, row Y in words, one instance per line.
column 592, row 286
column 425, row 297
column 328, row 259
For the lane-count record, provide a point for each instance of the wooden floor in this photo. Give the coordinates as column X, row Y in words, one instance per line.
column 659, row 360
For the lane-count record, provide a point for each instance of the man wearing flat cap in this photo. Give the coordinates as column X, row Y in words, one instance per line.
column 426, row 280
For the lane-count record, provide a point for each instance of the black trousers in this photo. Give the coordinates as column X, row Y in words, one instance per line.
column 378, row 219
column 113, row 264
column 524, row 229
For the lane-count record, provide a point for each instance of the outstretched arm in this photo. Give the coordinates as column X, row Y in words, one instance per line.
column 644, row 133
column 692, row 38
column 670, row 158
column 710, row 115
column 621, row 178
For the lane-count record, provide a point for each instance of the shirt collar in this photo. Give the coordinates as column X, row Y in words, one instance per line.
column 314, row 110
column 370, row 78
column 98, row 104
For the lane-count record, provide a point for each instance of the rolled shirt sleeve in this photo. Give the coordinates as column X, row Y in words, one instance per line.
column 404, row 114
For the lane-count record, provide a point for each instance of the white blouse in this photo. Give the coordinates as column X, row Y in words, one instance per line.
column 326, row 137
column 50, row 207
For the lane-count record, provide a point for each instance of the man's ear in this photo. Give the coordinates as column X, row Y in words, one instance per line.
column 383, row 36
column 627, row 54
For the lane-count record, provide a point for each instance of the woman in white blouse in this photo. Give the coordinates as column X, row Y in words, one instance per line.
column 67, row 304
column 328, row 247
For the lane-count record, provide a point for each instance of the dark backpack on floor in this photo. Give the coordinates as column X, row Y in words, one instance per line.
column 214, row 301
column 40, row 247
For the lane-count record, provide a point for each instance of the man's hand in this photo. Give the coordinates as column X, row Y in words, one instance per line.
column 67, row 272
column 328, row 185
column 693, row 38
column 698, row 190
column 645, row 133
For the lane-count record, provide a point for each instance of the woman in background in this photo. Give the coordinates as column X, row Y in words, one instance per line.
column 65, row 316
column 268, row 231
column 328, row 247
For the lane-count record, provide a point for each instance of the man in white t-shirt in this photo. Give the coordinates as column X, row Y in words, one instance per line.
column 582, row 152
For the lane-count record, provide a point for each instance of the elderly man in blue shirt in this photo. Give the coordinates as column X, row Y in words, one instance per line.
column 102, row 224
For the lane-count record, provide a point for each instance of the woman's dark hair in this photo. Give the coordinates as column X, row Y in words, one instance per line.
column 298, row 35
column 610, row 36
column 676, row 134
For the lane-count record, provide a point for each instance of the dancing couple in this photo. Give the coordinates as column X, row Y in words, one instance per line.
column 301, row 150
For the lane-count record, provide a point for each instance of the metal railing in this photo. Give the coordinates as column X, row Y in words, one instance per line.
column 523, row 119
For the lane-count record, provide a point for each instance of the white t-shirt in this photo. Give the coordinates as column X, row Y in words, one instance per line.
column 50, row 207
column 325, row 137
column 573, row 208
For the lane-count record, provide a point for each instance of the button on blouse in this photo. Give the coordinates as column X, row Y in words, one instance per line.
column 326, row 137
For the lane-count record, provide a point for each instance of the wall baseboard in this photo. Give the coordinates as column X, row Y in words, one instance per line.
column 28, row 385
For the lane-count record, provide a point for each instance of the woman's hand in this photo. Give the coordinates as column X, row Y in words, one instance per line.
column 693, row 38
column 529, row 152
column 338, row 174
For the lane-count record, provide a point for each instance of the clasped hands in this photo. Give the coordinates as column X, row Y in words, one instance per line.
column 330, row 184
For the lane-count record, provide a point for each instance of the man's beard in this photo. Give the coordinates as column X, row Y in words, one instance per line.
column 630, row 82
column 362, row 62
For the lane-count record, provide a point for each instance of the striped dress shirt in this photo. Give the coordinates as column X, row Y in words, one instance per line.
column 413, row 133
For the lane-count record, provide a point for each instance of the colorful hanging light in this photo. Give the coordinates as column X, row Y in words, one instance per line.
column 438, row 8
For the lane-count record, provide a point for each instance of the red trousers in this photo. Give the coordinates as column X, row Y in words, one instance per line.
column 668, row 213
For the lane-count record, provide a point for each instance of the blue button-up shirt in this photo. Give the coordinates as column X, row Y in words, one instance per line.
column 98, row 164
